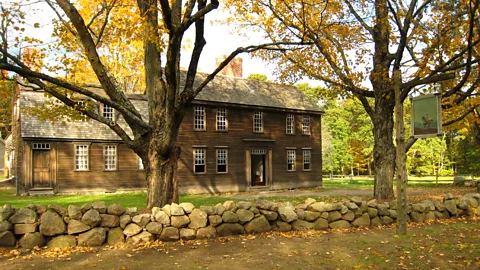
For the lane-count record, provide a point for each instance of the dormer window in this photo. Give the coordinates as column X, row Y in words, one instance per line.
column 108, row 112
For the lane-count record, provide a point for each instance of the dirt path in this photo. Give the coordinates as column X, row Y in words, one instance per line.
column 438, row 246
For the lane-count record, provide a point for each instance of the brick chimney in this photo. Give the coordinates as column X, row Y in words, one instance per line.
column 234, row 68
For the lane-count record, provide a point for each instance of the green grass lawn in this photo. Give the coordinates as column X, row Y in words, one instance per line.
column 367, row 182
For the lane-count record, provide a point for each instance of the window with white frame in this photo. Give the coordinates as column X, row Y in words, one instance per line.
column 306, row 124
column 307, row 160
column 110, row 157
column 108, row 112
column 221, row 119
column 222, row 160
column 257, row 122
column 290, row 123
column 199, row 118
column 291, row 160
column 199, row 158
column 81, row 157
column 140, row 164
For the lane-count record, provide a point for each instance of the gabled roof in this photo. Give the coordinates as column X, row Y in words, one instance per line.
column 222, row 89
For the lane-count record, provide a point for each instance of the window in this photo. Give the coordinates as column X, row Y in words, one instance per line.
column 222, row 160
column 199, row 118
column 306, row 125
column 291, row 160
column 41, row 146
column 307, row 158
column 140, row 164
column 108, row 112
column 110, row 157
column 221, row 119
column 199, row 160
column 257, row 122
column 81, row 157
column 290, row 123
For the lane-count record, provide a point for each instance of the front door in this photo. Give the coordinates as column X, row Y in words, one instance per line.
column 41, row 169
column 258, row 170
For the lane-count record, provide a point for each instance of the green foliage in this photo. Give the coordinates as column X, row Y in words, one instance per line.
column 7, row 88
column 258, row 77
column 427, row 156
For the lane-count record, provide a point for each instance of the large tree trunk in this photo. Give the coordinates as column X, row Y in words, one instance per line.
column 161, row 175
column 384, row 149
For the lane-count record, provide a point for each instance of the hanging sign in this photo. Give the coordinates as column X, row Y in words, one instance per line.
column 426, row 116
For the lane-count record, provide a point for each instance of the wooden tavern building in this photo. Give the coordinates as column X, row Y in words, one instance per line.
column 238, row 135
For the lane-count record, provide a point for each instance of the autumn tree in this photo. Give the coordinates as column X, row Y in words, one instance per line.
column 6, row 95
column 358, row 45
column 160, row 27
column 258, row 77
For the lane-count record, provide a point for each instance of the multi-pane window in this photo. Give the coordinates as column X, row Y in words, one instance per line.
column 81, row 157
column 291, row 160
column 290, row 123
column 306, row 125
column 221, row 119
column 307, row 159
column 108, row 112
column 199, row 156
column 140, row 164
column 222, row 160
column 199, row 118
column 110, row 157
column 257, row 122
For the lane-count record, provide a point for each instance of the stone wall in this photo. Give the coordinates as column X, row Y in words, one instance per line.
column 96, row 224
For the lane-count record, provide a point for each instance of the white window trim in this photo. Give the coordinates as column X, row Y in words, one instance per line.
column 226, row 120
column 307, row 129
column 217, row 160
column 75, row 157
column 105, row 156
column 294, row 159
column 195, row 118
column 261, row 122
column 204, row 159
column 309, row 159
column 292, row 117
column 110, row 114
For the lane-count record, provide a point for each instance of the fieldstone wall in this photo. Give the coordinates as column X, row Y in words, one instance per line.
column 97, row 224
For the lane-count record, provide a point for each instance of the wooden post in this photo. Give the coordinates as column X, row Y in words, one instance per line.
column 400, row 162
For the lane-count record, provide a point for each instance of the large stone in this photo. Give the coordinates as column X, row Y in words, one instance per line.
column 361, row 221
column 472, row 202
column 244, row 216
column 162, row 217
column 288, row 205
column 349, row 216
column 451, row 206
column 429, row 204
column 382, row 209
column 340, row 224
column 110, row 221
column 343, row 209
column 282, row 226
column 334, row 215
column 448, row 196
column 430, row 216
column 376, row 221
column 187, row 234
column 62, row 211
column 24, row 228
column 125, row 220
column 169, row 234
column 180, row 221
column 257, row 225
column 357, row 200
column 167, row 209
column 226, row 229
column 92, row 218
column 23, row 216
column 351, row 205
column 176, row 210
column 302, row 225
column 300, row 213
column 229, row 217
column 230, row 206
column 417, row 217
column 321, row 224
column 131, row 211
column 75, row 226
column 140, row 238
column 85, row 207
column 219, row 209
column 287, row 214
column 418, row 207
column 115, row 237
column 270, row 215
column 318, row 207
column 142, row 220
column 302, row 206
column 187, row 207
column 372, row 203
column 52, row 224
column 5, row 226
column 7, row 239
column 442, row 215
column 206, row 233
column 132, row 229
column 309, row 201
column 266, row 205
column 74, row 212
column 62, row 241
column 100, row 207
column 116, row 209
column 154, row 227
column 311, row 216
column 6, row 212
column 94, row 237
column 244, row 205
column 372, row 212
column 392, row 213
column 210, row 210
column 215, row 220
column 198, row 219
column 31, row 240
column 386, row 220
column 363, row 206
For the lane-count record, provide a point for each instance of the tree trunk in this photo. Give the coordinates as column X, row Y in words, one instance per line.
column 384, row 149
column 161, row 172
